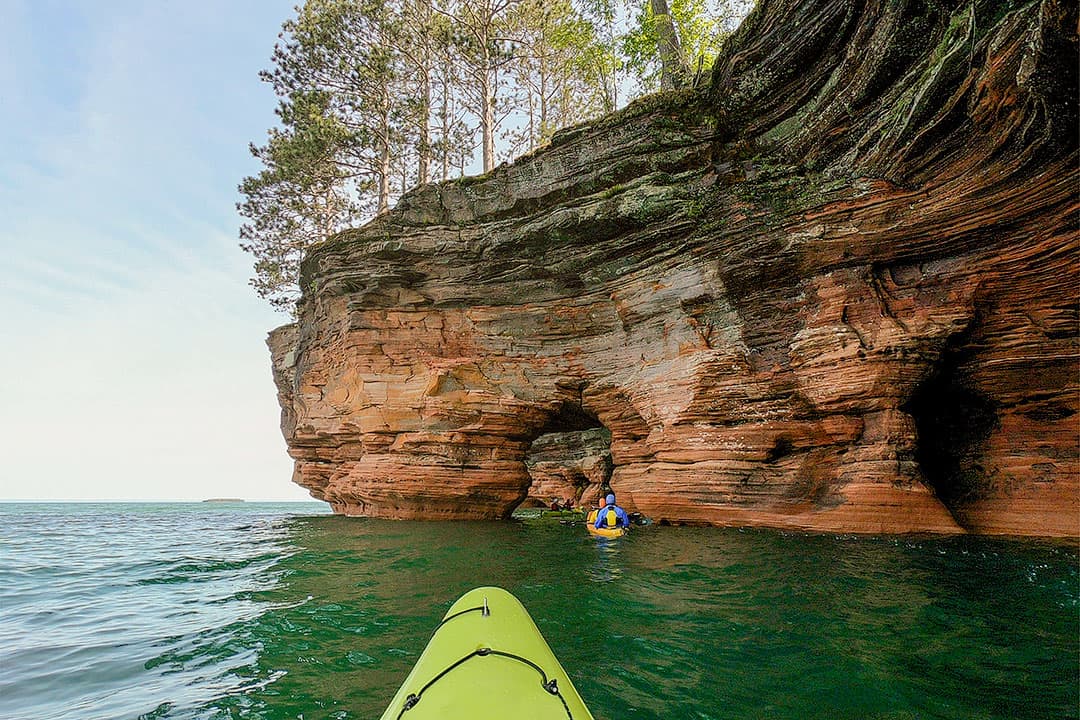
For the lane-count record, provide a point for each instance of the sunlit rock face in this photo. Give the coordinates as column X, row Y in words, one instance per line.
column 836, row 291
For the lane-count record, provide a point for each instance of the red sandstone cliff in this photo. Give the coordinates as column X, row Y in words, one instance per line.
column 836, row 290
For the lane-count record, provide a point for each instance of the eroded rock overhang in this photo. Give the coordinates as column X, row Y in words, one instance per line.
column 835, row 290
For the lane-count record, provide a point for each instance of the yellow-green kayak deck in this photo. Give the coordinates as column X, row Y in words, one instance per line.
column 487, row 659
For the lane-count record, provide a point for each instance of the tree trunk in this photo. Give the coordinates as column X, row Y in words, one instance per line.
column 326, row 221
column 543, row 97
column 444, row 115
column 533, row 132
column 384, row 162
column 423, row 149
column 673, row 68
column 487, row 114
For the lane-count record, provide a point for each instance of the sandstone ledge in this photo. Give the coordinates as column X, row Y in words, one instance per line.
column 834, row 291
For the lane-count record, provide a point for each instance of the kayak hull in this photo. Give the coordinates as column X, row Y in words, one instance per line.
column 606, row 532
column 495, row 665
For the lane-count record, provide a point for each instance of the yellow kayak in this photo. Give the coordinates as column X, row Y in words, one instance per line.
column 487, row 659
column 606, row 532
column 609, row 532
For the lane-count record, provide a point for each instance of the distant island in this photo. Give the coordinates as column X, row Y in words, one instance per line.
column 224, row 500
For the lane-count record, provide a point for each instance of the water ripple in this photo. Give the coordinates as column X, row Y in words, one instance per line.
column 123, row 610
column 196, row 612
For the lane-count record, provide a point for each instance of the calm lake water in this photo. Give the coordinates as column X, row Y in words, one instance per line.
column 278, row 611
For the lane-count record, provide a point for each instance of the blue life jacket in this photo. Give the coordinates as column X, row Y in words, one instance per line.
column 612, row 516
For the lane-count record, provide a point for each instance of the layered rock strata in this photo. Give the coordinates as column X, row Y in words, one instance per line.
column 569, row 466
column 834, row 290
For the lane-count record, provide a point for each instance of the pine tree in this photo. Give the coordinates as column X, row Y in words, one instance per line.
column 668, row 40
column 483, row 50
column 602, row 58
column 300, row 197
column 377, row 96
column 551, row 69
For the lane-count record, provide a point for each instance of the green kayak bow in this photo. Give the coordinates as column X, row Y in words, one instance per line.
column 487, row 659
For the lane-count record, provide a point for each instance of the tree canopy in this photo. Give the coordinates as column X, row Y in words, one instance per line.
column 379, row 96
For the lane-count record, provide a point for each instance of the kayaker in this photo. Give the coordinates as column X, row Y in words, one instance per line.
column 611, row 515
column 601, row 504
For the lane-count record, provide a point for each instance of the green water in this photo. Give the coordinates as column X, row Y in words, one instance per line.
column 250, row 611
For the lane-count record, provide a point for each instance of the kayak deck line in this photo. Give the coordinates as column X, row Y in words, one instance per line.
column 489, row 622
column 551, row 686
column 482, row 608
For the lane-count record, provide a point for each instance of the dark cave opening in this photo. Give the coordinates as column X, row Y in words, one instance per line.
column 571, row 453
column 953, row 420
column 780, row 449
column 570, row 417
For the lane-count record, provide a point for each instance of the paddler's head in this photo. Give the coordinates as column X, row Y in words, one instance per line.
column 610, row 499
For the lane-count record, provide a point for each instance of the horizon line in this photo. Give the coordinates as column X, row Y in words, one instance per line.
column 119, row 501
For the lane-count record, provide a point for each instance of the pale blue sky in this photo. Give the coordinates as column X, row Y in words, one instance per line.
column 133, row 363
column 132, row 356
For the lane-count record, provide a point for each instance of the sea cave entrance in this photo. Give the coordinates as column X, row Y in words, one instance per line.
column 953, row 421
column 570, row 459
